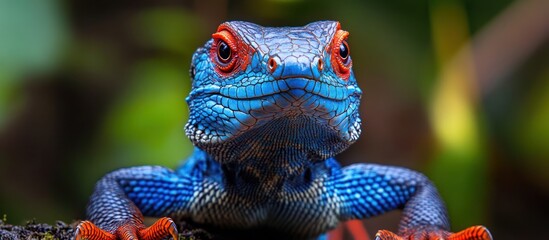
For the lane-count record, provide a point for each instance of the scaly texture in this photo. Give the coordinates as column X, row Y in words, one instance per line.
column 269, row 108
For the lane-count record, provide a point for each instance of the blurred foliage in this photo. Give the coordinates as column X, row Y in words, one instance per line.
column 150, row 118
column 24, row 47
column 459, row 166
column 90, row 86
column 532, row 139
column 150, row 115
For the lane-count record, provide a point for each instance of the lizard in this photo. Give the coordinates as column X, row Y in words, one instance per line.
column 269, row 108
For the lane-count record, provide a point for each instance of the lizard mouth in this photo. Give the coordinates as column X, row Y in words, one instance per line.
column 295, row 86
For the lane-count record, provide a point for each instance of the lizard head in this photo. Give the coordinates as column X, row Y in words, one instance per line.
column 279, row 92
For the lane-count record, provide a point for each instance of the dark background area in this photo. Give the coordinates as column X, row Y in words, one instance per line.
column 458, row 89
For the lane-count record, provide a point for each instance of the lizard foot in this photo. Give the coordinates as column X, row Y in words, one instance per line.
column 471, row 233
column 163, row 227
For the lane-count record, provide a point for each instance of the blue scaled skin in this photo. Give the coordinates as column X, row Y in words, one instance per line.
column 269, row 109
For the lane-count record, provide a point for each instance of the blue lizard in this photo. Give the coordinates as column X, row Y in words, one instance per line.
column 269, row 109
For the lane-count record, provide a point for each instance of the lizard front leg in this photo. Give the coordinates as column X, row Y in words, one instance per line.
column 368, row 190
column 122, row 197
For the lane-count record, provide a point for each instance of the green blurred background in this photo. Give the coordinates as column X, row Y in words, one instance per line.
column 458, row 89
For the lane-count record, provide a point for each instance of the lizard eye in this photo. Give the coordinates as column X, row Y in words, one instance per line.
column 229, row 53
column 224, row 51
column 344, row 51
column 341, row 58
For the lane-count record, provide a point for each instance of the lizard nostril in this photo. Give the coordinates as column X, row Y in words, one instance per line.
column 271, row 64
column 320, row 65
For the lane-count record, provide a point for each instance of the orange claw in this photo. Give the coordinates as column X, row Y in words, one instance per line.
column 160, row 229
column 471, row 233
column 88, row 230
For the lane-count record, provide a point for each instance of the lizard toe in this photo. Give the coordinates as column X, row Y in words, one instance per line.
column 162, row 228
column 88, row 230
column 472, row 233
column 434, row 233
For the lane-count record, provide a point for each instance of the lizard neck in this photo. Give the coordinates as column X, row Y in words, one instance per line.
column 270, row 158
column 286, row 146
column 270, row 179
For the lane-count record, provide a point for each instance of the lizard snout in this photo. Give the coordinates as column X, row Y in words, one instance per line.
column 291, row 66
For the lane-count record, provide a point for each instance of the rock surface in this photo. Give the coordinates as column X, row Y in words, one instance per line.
column 64, row 231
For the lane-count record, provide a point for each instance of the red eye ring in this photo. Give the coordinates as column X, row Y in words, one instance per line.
column 341, row 54
column 229, row 53
column 224, row 51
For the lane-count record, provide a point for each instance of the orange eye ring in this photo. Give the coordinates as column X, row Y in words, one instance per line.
column 224, row 51
column 341, row 54
column 229, row 53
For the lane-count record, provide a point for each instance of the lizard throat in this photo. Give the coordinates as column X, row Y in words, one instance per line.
column 302, row 143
